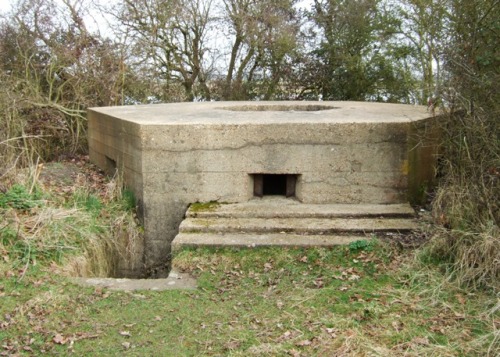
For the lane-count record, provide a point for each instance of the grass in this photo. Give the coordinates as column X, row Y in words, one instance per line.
column 369, row 298
column 263, row 302
column 89, row 227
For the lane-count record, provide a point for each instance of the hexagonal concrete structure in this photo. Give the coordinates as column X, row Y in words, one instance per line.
column 172, row 155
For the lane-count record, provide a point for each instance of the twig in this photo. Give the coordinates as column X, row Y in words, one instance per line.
column 27, row 264
column 304, row 300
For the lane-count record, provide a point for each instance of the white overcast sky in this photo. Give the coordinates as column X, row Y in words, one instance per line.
column 4, row 6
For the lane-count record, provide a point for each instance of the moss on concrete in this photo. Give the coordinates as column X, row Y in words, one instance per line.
column 204, row 206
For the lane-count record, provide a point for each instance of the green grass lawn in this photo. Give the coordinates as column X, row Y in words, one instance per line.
column 262, row 302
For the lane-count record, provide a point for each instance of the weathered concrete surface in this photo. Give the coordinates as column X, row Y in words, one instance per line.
column 296, row 225
column 276, row 207
column 175, row 154
column 274, row 221
column 174, row 281
column 248, row 240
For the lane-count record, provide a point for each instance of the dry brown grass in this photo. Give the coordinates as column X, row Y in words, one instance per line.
column 466, row 205
column 84, row 225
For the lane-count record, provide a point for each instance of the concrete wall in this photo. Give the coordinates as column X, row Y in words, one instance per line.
column 173, row 162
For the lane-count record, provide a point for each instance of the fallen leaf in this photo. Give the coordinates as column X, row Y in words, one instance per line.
column 286, row 335
column 304, row 343
column 8, row 347
column 331, row 332
column 59, row 339
column 423, row 341
column 126, row 345
column 37, row 283
column 460, row 299
column 318, row 283
column 232, row 345
column 125, row 333
column 398, row 325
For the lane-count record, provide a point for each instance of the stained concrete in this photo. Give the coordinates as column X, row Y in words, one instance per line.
column 296, row 225
column 277, row 207
column 172, row 155
column 252, row 240
column 174, row 281
column 275, row 221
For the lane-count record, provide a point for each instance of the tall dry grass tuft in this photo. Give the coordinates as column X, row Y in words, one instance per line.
column 466, row 206
column 473, row 259
column 85, row 231
column 467, row 203
column 116, row 250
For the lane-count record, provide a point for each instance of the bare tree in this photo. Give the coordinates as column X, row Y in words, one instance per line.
column 169, row 38
column 56, row 68
column 423, row 23
column 264, row 35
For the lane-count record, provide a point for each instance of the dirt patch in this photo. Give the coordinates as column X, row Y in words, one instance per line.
column 65, row 176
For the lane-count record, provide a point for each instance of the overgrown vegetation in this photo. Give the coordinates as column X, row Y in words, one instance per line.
column 467, row 203
column 87, row 225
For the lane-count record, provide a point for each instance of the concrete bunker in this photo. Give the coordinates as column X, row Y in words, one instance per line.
column 173, row 155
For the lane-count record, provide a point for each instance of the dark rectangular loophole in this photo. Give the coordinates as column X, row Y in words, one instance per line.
column 274, row 185
column 110, row 165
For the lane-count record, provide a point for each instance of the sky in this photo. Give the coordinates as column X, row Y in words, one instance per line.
column 4, row 6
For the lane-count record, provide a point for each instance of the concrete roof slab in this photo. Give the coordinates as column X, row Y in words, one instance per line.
column 206, row 113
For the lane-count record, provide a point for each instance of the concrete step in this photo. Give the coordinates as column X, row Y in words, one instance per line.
column 276, row 221
column 244, row 240
column 296, row 225
column 275, row 207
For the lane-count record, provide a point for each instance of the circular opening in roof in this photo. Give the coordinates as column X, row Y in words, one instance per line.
column 279, row 108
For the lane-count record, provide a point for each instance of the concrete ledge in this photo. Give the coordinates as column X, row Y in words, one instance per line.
column 274, row 207
column 260, row 240
column 175, row 281
column 294, row 225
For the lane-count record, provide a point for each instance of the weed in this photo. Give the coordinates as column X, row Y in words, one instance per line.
column 18, row 197
column 129, row 200
column 360, row 245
